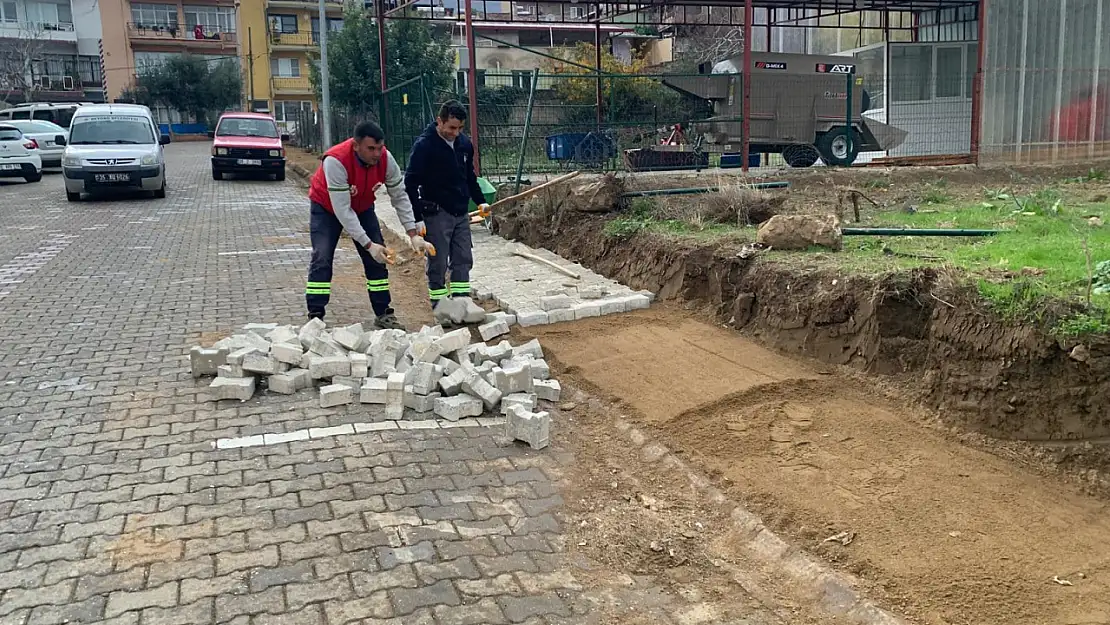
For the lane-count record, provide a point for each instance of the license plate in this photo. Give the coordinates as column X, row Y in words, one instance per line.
column 112, row 177
column 9, row 167
column 49, row 144
column 250, row 161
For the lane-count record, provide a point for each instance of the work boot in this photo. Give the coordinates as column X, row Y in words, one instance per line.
column 388, row 321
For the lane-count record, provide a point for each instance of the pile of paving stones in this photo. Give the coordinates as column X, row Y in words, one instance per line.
column 427, row 371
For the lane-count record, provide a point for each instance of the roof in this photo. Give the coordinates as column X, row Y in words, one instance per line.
column 91, row 109
column 246, row 115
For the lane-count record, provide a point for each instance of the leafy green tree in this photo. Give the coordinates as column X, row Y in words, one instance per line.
column 193, row 86
column 413, row 48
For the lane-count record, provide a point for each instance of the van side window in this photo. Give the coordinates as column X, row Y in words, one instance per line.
column 65, row 116
column 25, row 114
column 45, row 114
column 6, row 115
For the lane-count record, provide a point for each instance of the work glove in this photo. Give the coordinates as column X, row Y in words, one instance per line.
column 421, row 229
column 483, row 210
column 380, row 253
column 420, row 246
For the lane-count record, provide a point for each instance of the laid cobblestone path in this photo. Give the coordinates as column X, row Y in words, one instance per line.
column 115, row 505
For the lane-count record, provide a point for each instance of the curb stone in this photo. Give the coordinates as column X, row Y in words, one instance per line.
column 832, row 589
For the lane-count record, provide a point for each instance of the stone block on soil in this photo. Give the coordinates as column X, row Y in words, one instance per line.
column 513, row 378
column 531, row 347
column 289, row 353
column 322, row 367
column 420, row 402
column 529, row 318
column 324, row 345
column 360, row 364
column 452, row 384
column 555, row 302
column 351, row 337
column 547, row 389
column 560, row 316
column 493, row 329
column 302, row 376
column 474, row 384
column 263, row 364
column 283, row 334
column 524, row 400
column 282, row 383
column 453, row 341
column 799, row 232
column 395, row 396
column 310, row 330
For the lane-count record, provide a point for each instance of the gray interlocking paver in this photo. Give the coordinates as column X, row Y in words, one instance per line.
column 115, row 505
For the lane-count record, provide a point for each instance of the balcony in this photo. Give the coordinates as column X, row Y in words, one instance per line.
column 172, row 34
column 293, row 41
column 291, row 85
column 333, row 7
column 41, row 31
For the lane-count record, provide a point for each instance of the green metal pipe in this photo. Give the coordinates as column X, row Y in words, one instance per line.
column 697, row 190
column 527, row 128
column 919, row 232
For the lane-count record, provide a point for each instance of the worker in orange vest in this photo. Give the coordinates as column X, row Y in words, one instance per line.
column 342, row 198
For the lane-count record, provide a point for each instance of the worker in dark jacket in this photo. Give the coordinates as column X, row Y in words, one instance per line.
column 440, row 181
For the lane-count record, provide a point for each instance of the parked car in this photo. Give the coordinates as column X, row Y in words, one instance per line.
column 43, row 133
column 247, row 143
column 19, row 156
column 58, row 112
column 113, row 147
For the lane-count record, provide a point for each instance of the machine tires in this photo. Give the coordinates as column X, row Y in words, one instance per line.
column 73, row 197
column 280, row 176
column 217, row 175
column 160, row 193
column 800, row 155
column 839, row 147
column 35, row 177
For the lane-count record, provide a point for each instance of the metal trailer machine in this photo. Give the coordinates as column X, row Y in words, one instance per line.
column 799, row 108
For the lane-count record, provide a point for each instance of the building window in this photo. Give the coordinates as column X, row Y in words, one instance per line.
column 285, row 68
column 950, row 69
column 289, row 110
column 8, row 12
column 151, row 60
column 212, row 19
column 283, row 24
column 911, row 73
column 150, row 15
column 88, row 68
column 334, row 25
column 47, row 14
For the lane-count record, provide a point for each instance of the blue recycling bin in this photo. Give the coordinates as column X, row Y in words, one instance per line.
column 583, row 147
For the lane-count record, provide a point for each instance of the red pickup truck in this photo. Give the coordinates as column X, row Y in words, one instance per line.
column 247, row 143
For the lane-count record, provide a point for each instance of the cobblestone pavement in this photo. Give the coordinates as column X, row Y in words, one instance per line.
column 115, row 506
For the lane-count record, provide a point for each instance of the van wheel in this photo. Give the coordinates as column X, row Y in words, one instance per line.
column 800, row 155
column 280, row 176
column 839, row 146
column 161, row 193
column 35, row 177
column 73, row 197
column 217, row 174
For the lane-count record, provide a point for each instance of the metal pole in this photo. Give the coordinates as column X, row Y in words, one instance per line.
column 1060, row 80
column 381, row 60
column 1094, row 79
column 1021, row 80
column 597, row 66
column 472, row 81
column 977, row 86
column 746, row 87
column 250, row 67
column 325, row 78
column 527, row 128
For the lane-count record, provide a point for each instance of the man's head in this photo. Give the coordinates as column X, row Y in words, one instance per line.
column 369, row 141
column 451, row 118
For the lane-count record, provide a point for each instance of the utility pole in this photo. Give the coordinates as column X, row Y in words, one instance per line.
column 325, row 80
column 250, row 67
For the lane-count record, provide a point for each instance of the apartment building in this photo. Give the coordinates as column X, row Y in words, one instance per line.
column 138, row 34
column 49, row 51
column 281, row 39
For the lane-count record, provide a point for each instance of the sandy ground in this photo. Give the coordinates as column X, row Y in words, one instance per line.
column 939, row 532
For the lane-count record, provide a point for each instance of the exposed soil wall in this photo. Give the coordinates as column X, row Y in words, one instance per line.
column 996, row 378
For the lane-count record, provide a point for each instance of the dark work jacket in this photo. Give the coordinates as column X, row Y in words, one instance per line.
column 439, row 178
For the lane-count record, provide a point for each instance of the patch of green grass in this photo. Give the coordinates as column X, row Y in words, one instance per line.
column 1093, row 175
column 876, row 183
column 1081, row 325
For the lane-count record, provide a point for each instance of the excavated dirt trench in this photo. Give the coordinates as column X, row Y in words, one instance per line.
column 939, row 531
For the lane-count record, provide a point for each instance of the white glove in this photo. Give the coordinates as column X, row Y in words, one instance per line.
column 420, row 246
column 380, row 253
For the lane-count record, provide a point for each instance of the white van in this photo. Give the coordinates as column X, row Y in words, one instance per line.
column 56, row 112
column 113, row 147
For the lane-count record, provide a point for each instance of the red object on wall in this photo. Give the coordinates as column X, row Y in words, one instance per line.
column 1075, row 117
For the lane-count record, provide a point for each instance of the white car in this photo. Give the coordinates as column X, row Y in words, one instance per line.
column 19, row 156
column 44, row 134
column 111, row 148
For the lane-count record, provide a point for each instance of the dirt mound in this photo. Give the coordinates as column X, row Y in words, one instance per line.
column 1001, row 379
column 799, row 232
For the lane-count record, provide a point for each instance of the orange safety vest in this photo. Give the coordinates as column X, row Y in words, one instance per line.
column 362, row 179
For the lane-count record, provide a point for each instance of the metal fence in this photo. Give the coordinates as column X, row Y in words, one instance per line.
column 532, row 123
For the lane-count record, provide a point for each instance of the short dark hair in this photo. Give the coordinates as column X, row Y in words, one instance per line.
column 452, row 108
column 369, row 129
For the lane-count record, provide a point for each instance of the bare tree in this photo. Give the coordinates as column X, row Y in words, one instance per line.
column 708, row 44
column 18, row 56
